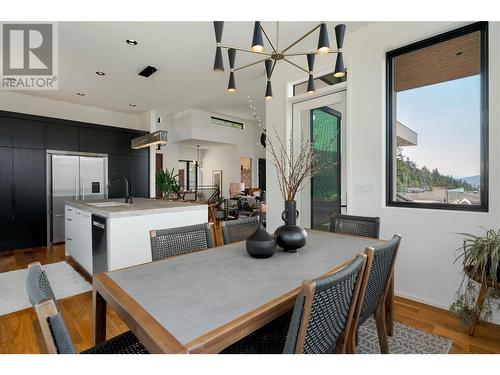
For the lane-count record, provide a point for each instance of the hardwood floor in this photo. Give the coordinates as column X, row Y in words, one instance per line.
column 19, row 331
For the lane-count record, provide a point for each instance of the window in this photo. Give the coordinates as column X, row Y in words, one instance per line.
column 319, row 82
column 228, row 123
column 437, row 114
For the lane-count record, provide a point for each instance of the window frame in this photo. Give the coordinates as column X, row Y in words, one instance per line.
column 482, row 27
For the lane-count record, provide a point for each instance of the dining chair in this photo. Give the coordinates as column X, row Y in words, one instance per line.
column 55, row 334
column 355, row 225
column 321, row 319
column 239, row 230
column 381, row 260
column 166, row 243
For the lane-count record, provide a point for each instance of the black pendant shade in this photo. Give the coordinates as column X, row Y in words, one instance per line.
column 323, row 42
column 218, row 62
column 310, row 61
column 269, row 68
column 339, row 66
column 231, row 87
column 339, row 35
column 257, row 41
column 269, row 90
column 310, row 84
column 231, row 54
column 218, row 27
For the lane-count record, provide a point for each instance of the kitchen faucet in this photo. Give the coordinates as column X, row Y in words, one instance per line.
column 128, row 197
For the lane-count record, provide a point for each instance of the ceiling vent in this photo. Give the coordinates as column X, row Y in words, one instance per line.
column 148, row 71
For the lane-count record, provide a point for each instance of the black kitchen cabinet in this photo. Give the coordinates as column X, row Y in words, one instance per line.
column 120, row 165
column 63, row 137
column 6, row 228
column 27, row 133
column 97, row 140
column 5, row 132
column 140, row 177
column 29, row 197
column 122, row 142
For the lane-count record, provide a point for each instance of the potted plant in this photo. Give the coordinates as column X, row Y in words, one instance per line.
column 480, row 257
column 220, row 213
column 166, row 181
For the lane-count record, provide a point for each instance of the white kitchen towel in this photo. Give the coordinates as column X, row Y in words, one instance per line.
column 65, row 282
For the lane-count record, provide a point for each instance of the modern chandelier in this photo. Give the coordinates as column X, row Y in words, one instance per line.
column 271, row 58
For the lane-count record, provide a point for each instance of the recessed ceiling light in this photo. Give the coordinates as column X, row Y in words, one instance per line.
column 132, row 105
column 80, row 93
column 99, row 73
column 458, row 53
column 132, row 42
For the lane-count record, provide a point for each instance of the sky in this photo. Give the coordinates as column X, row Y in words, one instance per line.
column 446, row 117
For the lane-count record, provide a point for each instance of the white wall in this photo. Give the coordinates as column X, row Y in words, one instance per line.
column 425, row 270
column 34, row 105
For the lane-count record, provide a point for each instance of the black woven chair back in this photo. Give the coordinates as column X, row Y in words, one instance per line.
column 38, row 286
column 239, row 230
column 381, row 267
column 328, row 319
column 166, row 243
column 356, row 225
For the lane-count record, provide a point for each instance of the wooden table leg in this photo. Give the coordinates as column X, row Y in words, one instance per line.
column 479, row 307
column 99, row 319
column 389, row 308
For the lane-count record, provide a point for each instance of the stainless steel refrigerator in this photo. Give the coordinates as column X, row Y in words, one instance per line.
column 72, row 176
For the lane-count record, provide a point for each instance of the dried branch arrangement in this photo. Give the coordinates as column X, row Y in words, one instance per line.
column 295, row 169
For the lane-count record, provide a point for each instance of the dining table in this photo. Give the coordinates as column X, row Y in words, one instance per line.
column 203, row 302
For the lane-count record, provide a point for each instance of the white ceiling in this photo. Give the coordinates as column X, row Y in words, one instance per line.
column 183, row 52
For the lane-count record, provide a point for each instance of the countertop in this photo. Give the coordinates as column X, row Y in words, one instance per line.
column 140, row 207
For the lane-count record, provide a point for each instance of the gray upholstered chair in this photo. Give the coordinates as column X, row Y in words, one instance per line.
column 321, row 319
column 166, row 243
column 381, row 260
column 355, row 225
column 239, row 230
column 55, row 334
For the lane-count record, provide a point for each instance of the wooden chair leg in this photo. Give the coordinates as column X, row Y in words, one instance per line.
column 352, row 342
column 479, row 307
column 382, row 329
column 389, row 308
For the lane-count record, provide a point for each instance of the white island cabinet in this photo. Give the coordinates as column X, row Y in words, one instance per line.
column 106, row 235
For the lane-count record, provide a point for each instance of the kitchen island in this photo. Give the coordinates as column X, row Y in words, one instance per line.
column 105, row 235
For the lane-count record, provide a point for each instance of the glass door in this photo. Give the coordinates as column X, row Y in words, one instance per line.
column 323, row 120
column 326, row 185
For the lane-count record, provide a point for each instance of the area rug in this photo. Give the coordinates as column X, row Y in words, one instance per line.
column 65, row 282
column 406, row 340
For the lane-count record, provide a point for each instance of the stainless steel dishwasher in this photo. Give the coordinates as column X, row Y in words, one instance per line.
column 99, row 245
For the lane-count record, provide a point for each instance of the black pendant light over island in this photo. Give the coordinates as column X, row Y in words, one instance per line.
column 276, row 54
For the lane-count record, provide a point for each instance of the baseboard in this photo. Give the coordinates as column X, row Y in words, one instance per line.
column 79, row 268
column 495, row 320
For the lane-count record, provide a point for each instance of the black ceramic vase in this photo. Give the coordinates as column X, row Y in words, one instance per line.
column 261, row 244
column 290, row 236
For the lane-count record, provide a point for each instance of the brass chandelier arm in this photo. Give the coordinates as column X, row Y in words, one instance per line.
column 268, row 39
column 307, row 53
column 251, row 64
column 297, row 66
column 302, row 37
column 245, row 50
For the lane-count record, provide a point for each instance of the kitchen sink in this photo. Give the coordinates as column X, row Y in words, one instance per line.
column 108, row 204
